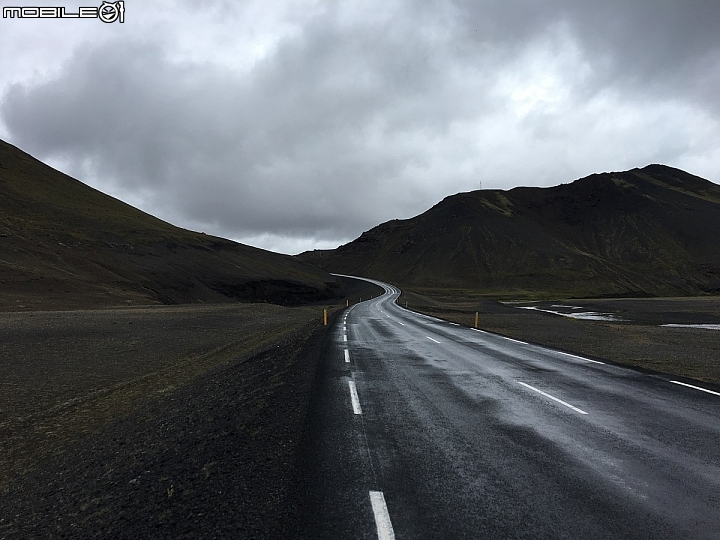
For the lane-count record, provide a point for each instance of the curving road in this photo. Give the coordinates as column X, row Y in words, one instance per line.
column 426, row 429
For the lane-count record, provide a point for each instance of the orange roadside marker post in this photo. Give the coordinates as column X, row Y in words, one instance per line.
column 324, row 317
column 476, row 319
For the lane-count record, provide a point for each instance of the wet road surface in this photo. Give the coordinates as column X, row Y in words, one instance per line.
column 427, row 429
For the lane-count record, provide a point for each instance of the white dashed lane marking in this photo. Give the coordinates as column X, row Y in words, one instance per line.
column 382, row 516
column 354, row 398
column 553, row 398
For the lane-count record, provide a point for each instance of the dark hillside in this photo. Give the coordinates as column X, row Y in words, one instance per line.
column 66, row 245
column 646, row 232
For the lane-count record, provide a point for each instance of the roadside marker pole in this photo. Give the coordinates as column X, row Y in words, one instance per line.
column 347, row 303
column 476, row 319
column 324, row 317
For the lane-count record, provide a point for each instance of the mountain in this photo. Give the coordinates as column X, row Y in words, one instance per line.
column 646, row 232
column 64, row 245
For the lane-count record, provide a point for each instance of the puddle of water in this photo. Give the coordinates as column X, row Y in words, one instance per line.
column 583, row 315
column 702, row 326
column 578, row 312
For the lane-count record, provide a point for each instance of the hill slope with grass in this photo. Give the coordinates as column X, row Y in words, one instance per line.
column 653, row 231
column 65, row 245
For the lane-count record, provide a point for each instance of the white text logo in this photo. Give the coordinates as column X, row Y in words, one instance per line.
column 108, row 12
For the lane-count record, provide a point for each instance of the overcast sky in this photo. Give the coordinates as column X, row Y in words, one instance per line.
column 296, row 125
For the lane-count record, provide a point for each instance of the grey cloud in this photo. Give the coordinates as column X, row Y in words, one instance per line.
column 665, row 47
column 282, row 150
column 323, row 137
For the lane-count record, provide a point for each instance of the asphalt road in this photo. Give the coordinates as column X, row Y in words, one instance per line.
column 426, row 429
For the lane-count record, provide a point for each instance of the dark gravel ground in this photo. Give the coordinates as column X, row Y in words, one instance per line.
column 66, row 375
column 215, row 457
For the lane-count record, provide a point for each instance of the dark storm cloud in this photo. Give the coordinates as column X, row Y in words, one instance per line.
column 362, row 114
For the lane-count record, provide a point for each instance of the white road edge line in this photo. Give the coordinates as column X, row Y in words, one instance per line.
column 345, row 337
column 561, row 352
column 382, row 516
column 347, row 356
column 354, row 398
column 454, row 324
column 553, row 398
column 400, row 323
column 431, row 339
column 697, row 388
column 581, row 358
